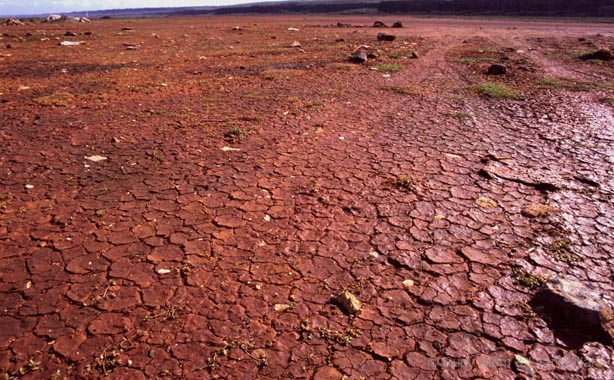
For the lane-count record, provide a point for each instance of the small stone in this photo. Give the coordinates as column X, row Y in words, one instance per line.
column 348, row 302
column 379, row 24
column 282, row 307
column 164, row 271
column 522, row 366
column 28, row 186
column 295, row 44
column 397, row 24
column 358, row 57
column 151, row 353
column 414, row 55
column 373, row 255
column 497, row 69
column 236, row 28
column 537, row 210
column 386, row 37
column 486, row 202
column 408, row 283
column 70, row 34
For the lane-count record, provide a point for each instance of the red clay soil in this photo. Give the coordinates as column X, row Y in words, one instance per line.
column 181, row 200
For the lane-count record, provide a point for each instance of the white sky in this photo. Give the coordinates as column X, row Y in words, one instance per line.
column 14, row 7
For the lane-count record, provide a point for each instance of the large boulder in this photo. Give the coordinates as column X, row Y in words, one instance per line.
column 603, row 54
column 577, row 305
column 13, row 21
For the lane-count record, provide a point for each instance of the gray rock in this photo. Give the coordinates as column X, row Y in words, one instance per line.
column 358, row 57
column 522, row 365
column 578, row 306
column 601, row 55
column 497, row 69
column 386, row 37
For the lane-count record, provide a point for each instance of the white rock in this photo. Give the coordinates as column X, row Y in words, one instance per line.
column 229, row 149
column 96, row 158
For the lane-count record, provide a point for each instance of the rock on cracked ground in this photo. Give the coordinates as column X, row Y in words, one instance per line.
column 182, row 199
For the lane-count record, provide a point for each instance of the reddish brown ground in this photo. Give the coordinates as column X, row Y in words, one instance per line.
column 340, row 177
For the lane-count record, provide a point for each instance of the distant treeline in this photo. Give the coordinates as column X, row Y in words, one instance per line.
column 580, row 8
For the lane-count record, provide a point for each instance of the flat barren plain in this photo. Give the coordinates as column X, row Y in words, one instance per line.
column 230, row 198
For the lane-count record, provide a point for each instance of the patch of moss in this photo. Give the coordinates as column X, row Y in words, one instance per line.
column 565, row 84
column 561, row 251
column 529, row 280
column 58, row 99
column 496, row 91
column 389, row 67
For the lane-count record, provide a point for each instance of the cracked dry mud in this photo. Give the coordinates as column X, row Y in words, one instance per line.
column 235, row 186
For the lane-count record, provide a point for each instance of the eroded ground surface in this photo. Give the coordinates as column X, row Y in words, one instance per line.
column 246, row 183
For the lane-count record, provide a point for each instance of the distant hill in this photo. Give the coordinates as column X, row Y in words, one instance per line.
column 555, row 8
column 144, row 12
column 544, row 8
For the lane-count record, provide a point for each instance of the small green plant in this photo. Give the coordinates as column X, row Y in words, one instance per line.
column 461, row 116
column 404, row 183
column 58, row 99
column 395, row 55
column 234, row 135
column 561, row 251
column 496, row 91
column 5, row 200
column 400, row 90
column 343, row 337
column 469, row 60
column 524, row 278
column 389, row 67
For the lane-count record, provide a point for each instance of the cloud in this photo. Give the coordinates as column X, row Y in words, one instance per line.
column 16, row 7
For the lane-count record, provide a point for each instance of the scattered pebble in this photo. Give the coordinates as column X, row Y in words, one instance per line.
column 408, row 283
column 164, row 271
